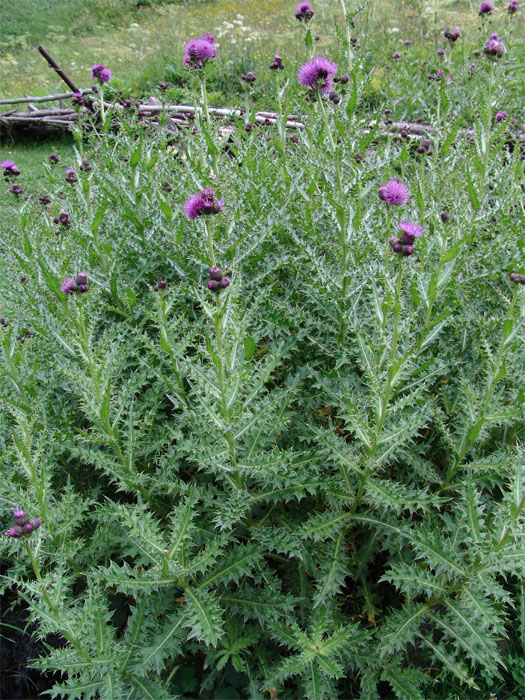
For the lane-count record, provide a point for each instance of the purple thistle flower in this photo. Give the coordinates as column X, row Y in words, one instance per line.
column 512, row 7
column 441, row 52
column 78, row 101
column 63, row 219
column 203, row 202
column 100, row 72
column 16, row 189
column 517, row 278
column 163, row 85
column 396, row 55
column 277, row 63
column 213, row 285
column 71, row 176
column 10, row 169
column 501, row 116
column 407, row 42
column 452, row 35
column 224, row 282
column 53, row 158
column 19, row 516
column 69, row 286
column 15, row 531
column 198, row 51
column 394, row 192
column 304, row 11
column 410, row 231
column 486, row 8
column 494, row 47
column 317, row 73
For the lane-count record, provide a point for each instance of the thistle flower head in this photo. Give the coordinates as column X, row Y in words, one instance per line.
column 512, row 7
column 452, row 35
column 100, row 72
column 494, row 47
column 410, row 231
column 69, row 286
column 304, row 11
column 198, row 51
column 517, row 278
column 277, row 63
column 317, row 73
column 203, row 202
column 394, row 192
column 19, row 516
column 486, row 8
column 10, row 168
column 15, row 531
column 501, row 116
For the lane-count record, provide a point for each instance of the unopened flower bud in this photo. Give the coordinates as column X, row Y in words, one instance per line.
column 333, row 95
column 213, row 285
column 162, row 284
column 81, row 278
column 224, row 282
column 215, row 273
column 407, row 249
column 517, row 278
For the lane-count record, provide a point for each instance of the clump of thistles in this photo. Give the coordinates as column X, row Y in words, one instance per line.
column 204, row 202
column 452, row 35
column 16, row 189
column 63, row 219
column 277, row 63
column 317, row 74
column 198, row 51
column 304, row 11
column 494, row 46
column 425, row 147
column 53, row 158
column 10, row 169
column 101, row 73
column 394, row 192
column 71, row 176
column 73, row 285
column 160, row 285
column 248, row 77
column 404, row 245
column 517, row 278
column 23, row 525
column 512, row 7
column 218, row 280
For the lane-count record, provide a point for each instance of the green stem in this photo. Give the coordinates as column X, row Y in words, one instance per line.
column 348, row 36
column 102, row 113
column 209, row 235
column 204, row 95
column 388, row 248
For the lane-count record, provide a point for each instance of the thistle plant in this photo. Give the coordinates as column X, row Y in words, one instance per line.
column 270, row 433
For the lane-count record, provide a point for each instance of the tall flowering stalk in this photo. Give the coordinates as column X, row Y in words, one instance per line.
column 197, row 53
column 103, row 75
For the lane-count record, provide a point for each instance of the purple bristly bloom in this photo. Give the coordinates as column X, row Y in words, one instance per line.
column 198, row 51
column 410, row 231
column 304, row 11
column 69, row 286
column 19, row 516
column 71, row 176
column 517, row 278
column 501, row 116
column 15, row 531
column 452, row 35
column 441, row 52
column 16, row 189
column 53, row 158
column 396, row 55
column 64, row 219
column 10, row 169
column 494, row 47
column 512, row 7
column 248, row 77
column 215, row 273
column 78, row 101
column 203, row 202
column 394, row 192
column 486, row 8
column 100, row 72
column 317, row 73
column 163, row 85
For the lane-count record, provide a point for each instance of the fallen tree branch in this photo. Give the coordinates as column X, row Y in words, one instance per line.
column 44, row 98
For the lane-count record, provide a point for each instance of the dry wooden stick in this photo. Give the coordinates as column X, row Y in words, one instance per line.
column 44, row 98
column 71, row 85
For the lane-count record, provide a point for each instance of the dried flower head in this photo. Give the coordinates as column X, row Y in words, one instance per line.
column 394, row 192
column 317, row 73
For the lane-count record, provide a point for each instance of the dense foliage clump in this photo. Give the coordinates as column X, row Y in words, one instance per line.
column 263, row 392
